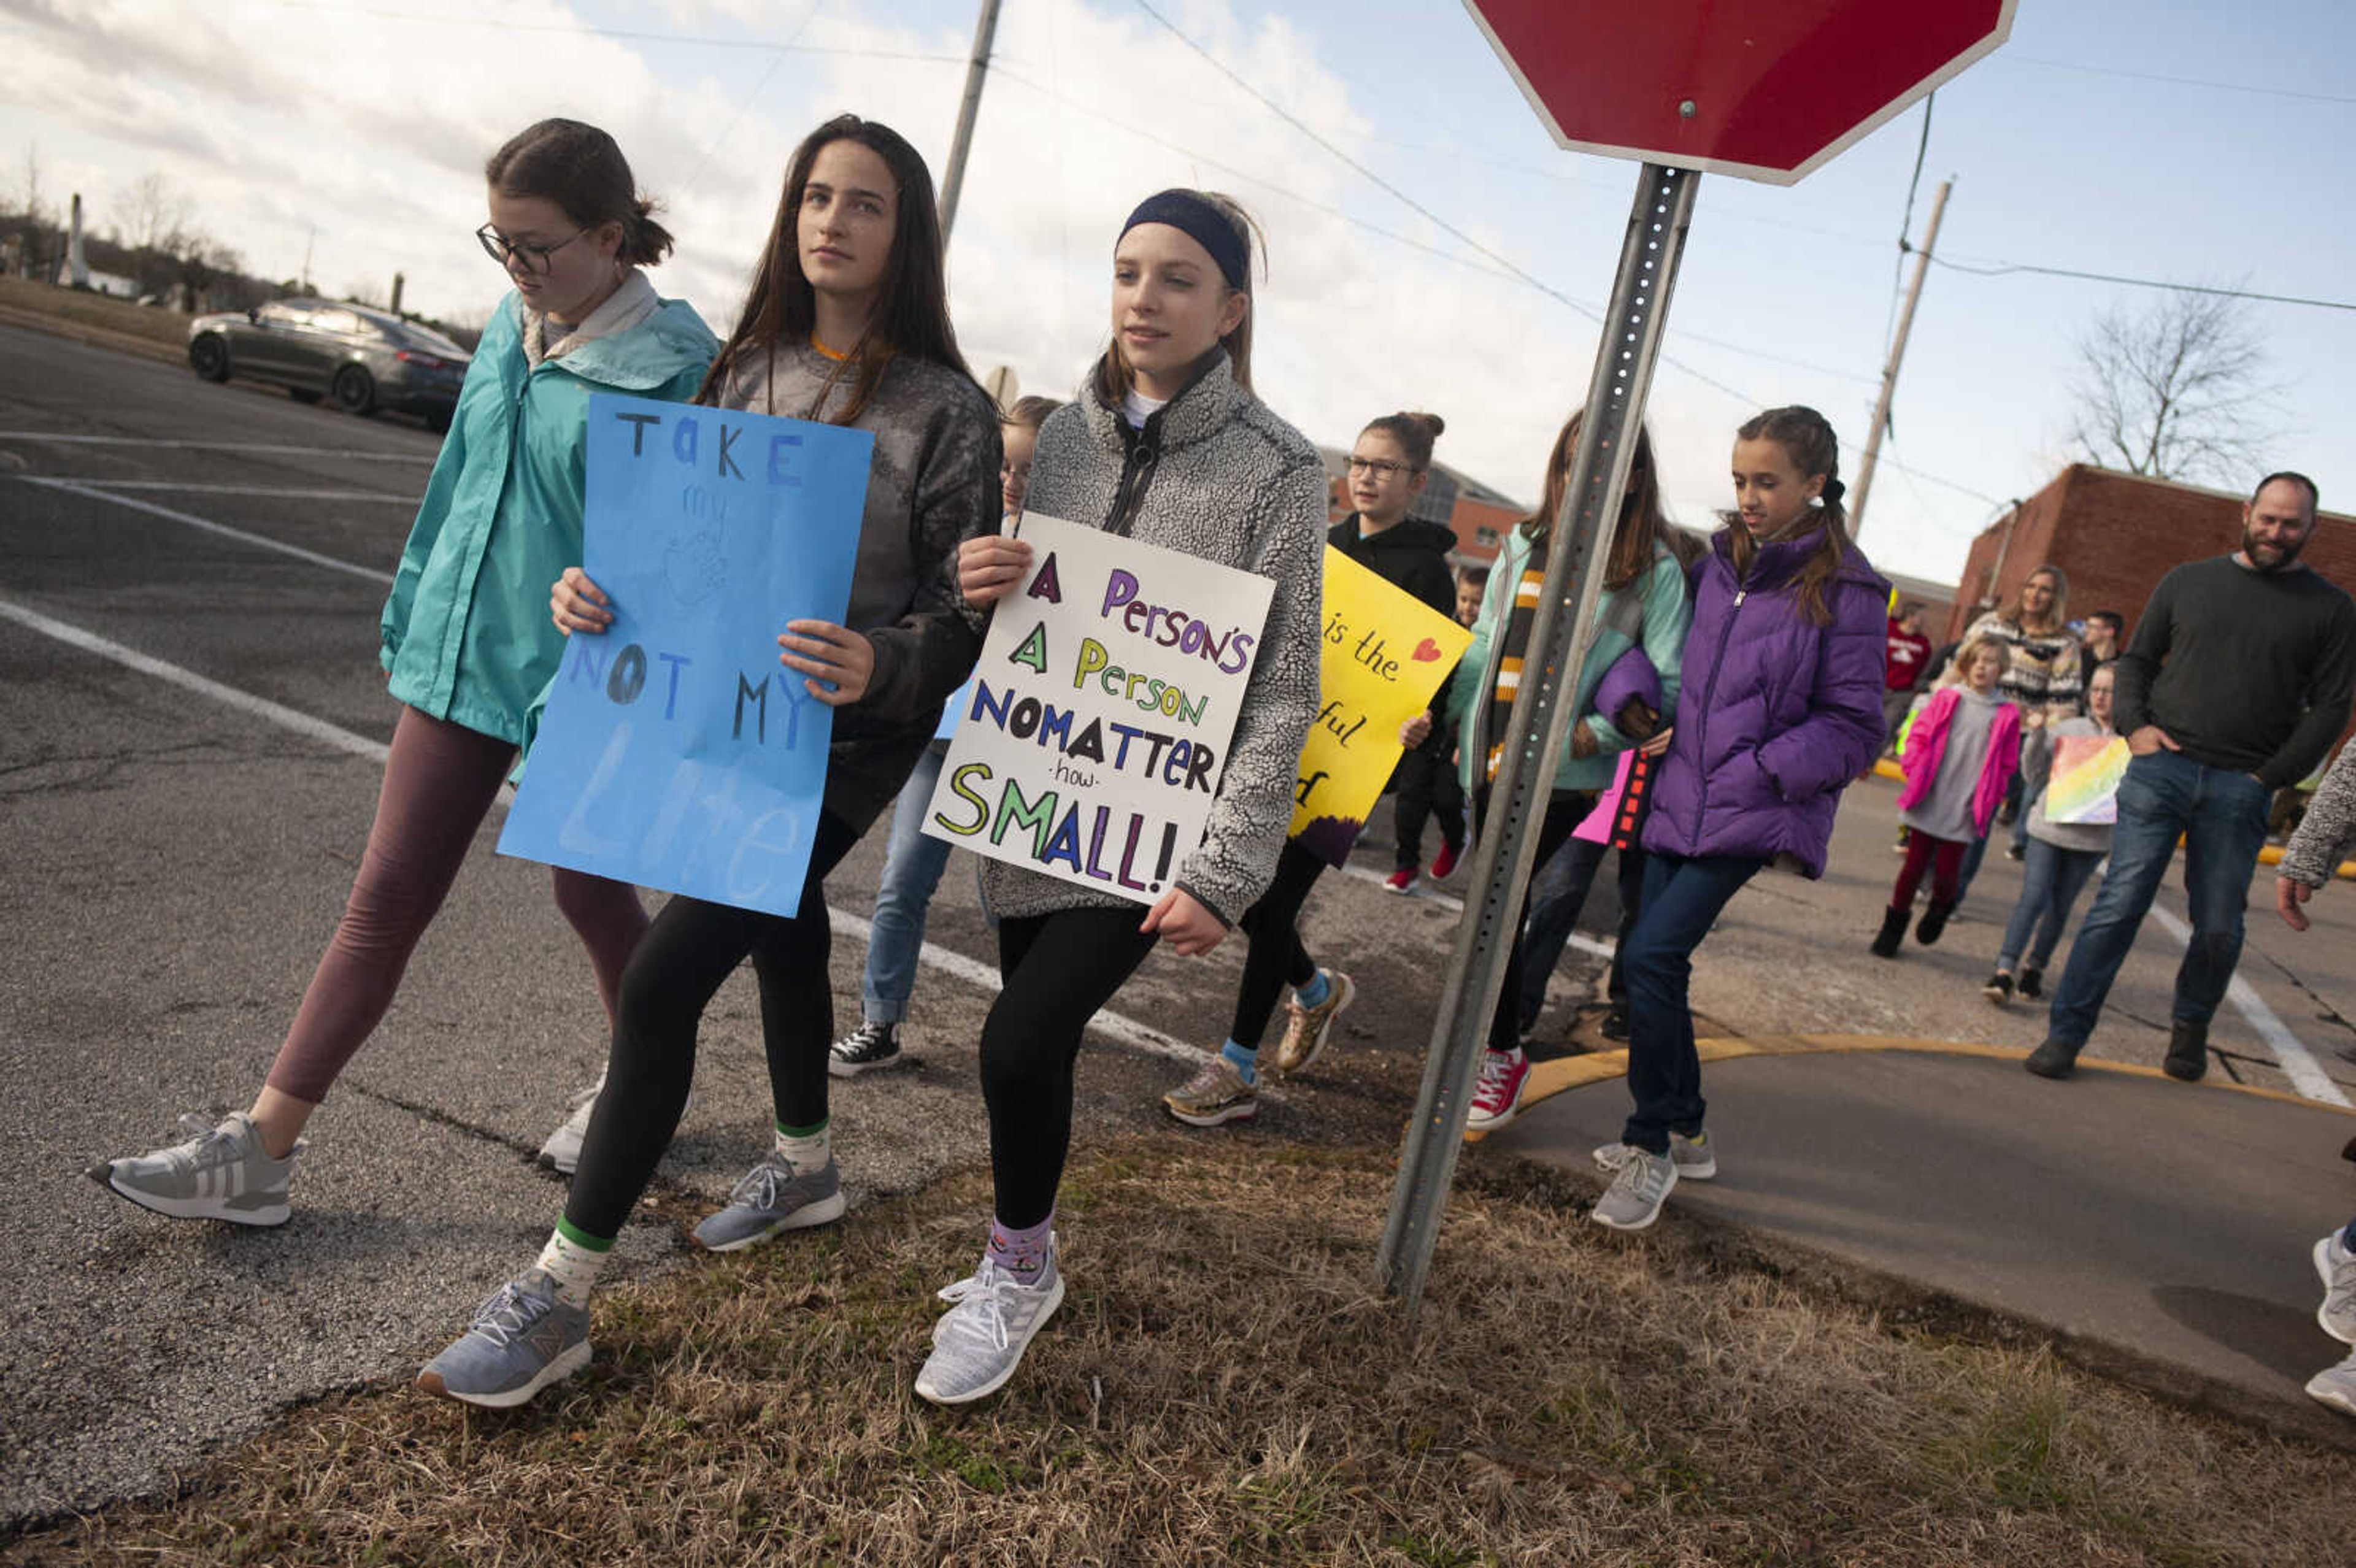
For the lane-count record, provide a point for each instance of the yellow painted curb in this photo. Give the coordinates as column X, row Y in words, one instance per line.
column 2271, row 854
column 1564, row 1074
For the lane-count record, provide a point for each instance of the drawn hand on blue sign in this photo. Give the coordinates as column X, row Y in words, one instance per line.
column 837, row 659
column 1190, row 929
column 577, row 605
column 991, row 567
column 694, row 568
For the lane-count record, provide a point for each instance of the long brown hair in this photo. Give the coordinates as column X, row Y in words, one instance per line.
column 1113, row 377
column 1642, row 527
column 1807, row 439
column 2057, row 615
column 911, row 306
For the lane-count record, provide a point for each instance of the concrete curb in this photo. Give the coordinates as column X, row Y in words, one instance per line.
column 1563, row 1073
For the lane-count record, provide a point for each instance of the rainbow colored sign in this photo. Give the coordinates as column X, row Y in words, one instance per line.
column 2085, row 784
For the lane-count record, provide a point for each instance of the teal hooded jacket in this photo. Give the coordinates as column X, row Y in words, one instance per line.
column 466, row 630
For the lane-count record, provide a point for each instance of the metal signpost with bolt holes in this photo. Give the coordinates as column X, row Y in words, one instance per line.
column 1764, row 93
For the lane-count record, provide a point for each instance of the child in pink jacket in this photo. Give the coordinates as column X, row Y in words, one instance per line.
column 1960, row 754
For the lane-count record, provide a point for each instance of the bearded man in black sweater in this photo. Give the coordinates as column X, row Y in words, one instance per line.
column 2237, row 683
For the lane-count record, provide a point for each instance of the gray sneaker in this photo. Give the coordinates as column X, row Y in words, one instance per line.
column 2336, row 1386
column 523, row 1339
column 220, row 1173
column 1217, row 1093
column 1635, row 1198
column 774, row 1198
column 1696, row 1157
column 979, row 1340
column 2337, row 1265
column 563, row 1149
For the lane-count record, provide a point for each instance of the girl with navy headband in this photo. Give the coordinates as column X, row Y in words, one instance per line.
column 1165, row 444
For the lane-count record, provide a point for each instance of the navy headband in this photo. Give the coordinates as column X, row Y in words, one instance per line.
column 1202, row 223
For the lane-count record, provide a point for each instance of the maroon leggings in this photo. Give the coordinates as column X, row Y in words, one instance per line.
column 439, row 784
column 1944, row 857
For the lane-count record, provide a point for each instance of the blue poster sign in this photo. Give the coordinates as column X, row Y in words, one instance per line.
column 676, row 752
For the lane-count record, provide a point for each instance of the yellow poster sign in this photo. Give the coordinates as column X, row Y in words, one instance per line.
column 1386, row 653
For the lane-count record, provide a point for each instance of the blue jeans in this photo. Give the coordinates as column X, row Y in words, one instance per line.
column 912, row 869
column 1555, row 899
column 2051, row 880
column 2221, row 817
column 1682, row 900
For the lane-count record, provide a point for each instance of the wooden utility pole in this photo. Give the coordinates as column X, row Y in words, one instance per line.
column 1889, row 372
column 953, row 176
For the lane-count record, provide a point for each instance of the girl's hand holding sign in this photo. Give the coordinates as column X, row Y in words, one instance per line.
column 837, row 660
column 577, row 605
column 991, row 567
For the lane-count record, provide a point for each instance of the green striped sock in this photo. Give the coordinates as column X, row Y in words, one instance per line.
column 571, row 1258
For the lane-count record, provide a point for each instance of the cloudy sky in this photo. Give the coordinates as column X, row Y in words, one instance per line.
column 2197, row 143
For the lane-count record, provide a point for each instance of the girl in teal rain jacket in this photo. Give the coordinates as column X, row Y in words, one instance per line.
column 469, row 640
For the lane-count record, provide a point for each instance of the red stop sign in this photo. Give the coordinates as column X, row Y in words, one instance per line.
column 1764, row 89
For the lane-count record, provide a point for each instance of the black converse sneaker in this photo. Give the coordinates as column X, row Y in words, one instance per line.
column 870, row 1045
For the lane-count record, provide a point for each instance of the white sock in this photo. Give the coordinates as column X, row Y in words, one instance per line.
column 807, row 1151
column 571, row 1258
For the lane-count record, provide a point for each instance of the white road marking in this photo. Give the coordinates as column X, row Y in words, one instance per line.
column 261, row 707
column 266, row 492
column 189, row 520
column 982, row 976
column 1455, row 905
column 2298, row 1064
column 59, row 438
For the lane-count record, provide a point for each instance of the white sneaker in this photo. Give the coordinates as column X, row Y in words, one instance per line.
column 979, row 1340
column 562, row 1149
column 217, row 1173
column 1696, row 1157
column 2336, row 1386
column 1633, row 1200
column 2337, row 1265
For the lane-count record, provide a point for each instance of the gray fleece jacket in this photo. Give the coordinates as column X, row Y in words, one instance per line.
column 932, row 486
column 1214, row 474
column 2326, row 834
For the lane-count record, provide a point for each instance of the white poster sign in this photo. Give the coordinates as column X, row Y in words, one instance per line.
column 1096, row 728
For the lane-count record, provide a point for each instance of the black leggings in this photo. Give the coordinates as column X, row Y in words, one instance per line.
column 1276, row 958
column 1565, row 810
column 1059, row 969
column 687, row 955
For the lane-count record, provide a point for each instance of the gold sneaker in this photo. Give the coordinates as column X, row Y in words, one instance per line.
column 1217, row 1093
column 1306, row 1029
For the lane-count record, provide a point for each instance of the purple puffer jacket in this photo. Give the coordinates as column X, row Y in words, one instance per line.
column 1778, row 713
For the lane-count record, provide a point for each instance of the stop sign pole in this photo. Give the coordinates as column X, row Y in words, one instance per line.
column 1560, row 635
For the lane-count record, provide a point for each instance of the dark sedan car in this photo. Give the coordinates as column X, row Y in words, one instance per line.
column 365, row 359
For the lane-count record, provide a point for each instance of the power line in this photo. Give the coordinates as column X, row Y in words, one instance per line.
column 745, row 108
column 2005, row 269
column 2174, row 80
column 630, row 35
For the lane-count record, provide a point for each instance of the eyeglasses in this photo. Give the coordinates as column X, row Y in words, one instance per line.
column 1381, row 467
column 502, row 250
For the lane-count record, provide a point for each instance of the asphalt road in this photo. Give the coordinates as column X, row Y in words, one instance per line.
column 175, row 855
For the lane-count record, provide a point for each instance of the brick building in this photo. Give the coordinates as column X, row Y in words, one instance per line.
column 2116, row 535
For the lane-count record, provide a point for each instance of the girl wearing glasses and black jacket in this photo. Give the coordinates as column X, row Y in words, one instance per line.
column 467, row 643
column 1388, row 468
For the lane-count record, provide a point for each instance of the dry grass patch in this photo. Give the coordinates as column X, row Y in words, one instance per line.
column 1221, row 1387
column 117, row 323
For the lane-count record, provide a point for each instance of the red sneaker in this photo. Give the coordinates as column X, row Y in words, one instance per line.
column 1400, row 882
column 1445, row 862
column 1499, row 1094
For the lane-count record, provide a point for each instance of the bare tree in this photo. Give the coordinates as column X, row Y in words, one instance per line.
column 150, row 214
column 2177, row 392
